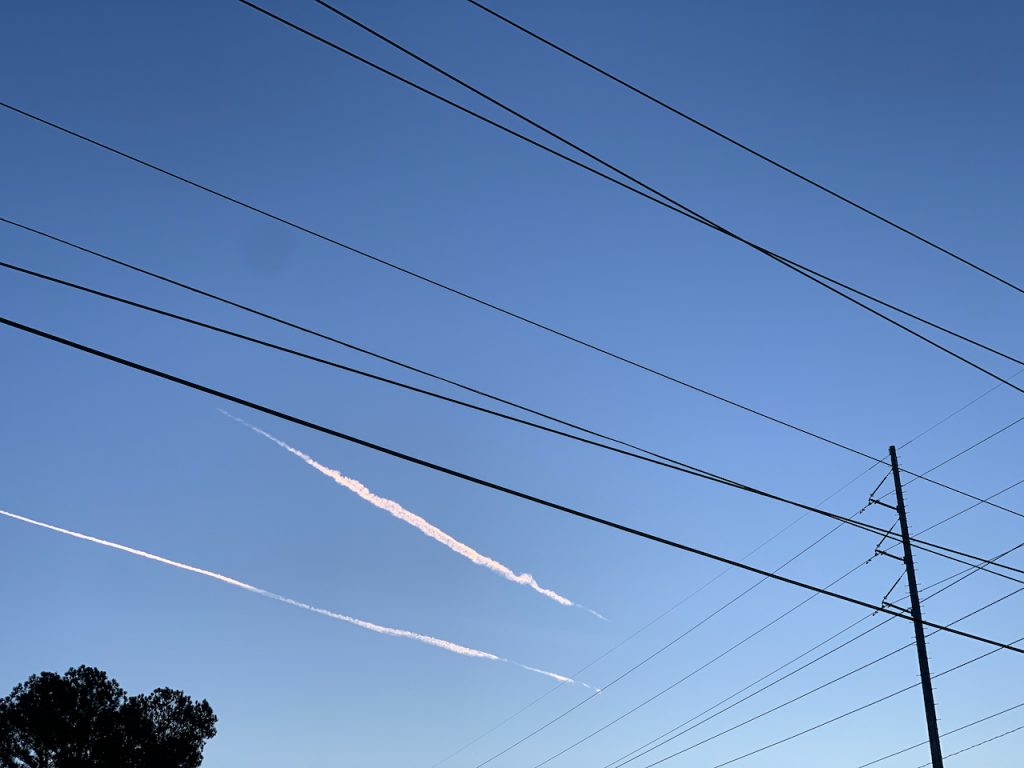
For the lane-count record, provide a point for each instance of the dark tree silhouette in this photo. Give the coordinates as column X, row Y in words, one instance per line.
column 84, row 719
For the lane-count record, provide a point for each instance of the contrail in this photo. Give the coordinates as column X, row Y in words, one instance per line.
column 397, row 510
column 445, row 645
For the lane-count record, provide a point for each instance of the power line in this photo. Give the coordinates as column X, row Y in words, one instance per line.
column 701, row 667
column 962, row 575
column 637, row 753
column 981, row 743
column 689, row 596
column 700, row 589
column 547, row 724
column 959, row 410
column 944, row 733
column 415, row 369
column 675, row 465
column 668, row 736
column 959, row 577
column 392, row 265
column 793, row 672
column 688, row 469
column 746, row 148
column 559, row 137
column 669, row 464
column 826, row 282
column 408, row 458
column 846, row 714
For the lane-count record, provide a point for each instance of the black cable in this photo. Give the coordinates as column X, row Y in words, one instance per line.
column 678, row 466
column 480, row 481
column 362, row 350
column 637, row 753
column 827, row 684
column 854, row 711
column 979, row 744
column 623, row 760
column 668, row 736
column 961, row 574
column 618, row 645
column 824, row 281
column 959, row 410
column 971, row 447
column 706, row 664
column 945, row 520
column 547, row 724
column 674, row 465
column 496, row 102
column 663, row 199
column 482, row 302
column 682, row 208
column 944, row 734
column 746, row 148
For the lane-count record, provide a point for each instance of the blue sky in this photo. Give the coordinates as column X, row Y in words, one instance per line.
column 912, row 109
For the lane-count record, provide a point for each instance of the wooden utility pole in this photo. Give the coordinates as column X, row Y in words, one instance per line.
column 915, row 612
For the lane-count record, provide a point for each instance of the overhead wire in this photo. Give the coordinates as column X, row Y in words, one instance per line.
column 742, row 146
column 693, row 627
column 661, row 199
column 932, row 548
column 739, row 644
column 979, row 721
column 841, row 716
column 622, row 642
column 977, row 744
column 560, row 137
column 931, row 592
column 415, row 369
column 394, row 265
column 824, row 281
column 970, row 570
column 475, row 480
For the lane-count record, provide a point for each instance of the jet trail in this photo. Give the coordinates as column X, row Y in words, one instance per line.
column 397, row 510
column 445, row 645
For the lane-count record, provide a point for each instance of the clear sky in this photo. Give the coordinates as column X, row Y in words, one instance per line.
column 912, row 108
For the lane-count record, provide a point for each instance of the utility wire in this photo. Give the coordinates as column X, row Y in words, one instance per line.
column 421, row 371
column 774, row 709
column 846, row 714
column 693, row 471
column 408, row 458
column 622, row 642
column 547, row 724
column 675, row 732
column 830, row 284
column 978, row 744
column 675, row 206
column 944, row 734
column 701, row 667
column 482, row 302
column 746, row 148
column 959, row 410
column 642, row 750
column 559, row 137
column 677, row 466
column 415, row 389
column 972, row 569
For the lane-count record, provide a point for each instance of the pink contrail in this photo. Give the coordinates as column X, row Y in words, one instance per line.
column 445, row 645
column 397, row 510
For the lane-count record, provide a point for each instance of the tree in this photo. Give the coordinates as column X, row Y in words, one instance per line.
column 84, row 719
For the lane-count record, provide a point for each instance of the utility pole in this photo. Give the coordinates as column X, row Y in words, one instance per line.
column 915, row 612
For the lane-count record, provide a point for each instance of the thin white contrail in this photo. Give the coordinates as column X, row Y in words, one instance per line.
column 446, row 645
column 397, row 510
